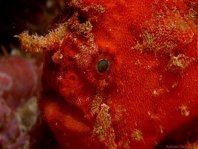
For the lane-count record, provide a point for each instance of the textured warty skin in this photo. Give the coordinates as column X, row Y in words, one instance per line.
column 147, row 92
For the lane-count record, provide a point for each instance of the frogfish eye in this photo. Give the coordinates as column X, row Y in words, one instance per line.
column 103, row 65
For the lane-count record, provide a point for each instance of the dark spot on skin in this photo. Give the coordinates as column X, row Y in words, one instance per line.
column 82, row 18
column 103, row 65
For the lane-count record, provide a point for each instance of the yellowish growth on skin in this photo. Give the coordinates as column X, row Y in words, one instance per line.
column 149, row 40
column 80, row 5
column 103, row 129
column 88, row 48
column 179, row 24
column 138, row 46
column 179, row 62
column 184, row 110
column 99, row 8
column 95, row 106
column 85, row 28
column 163, row 31
column 96, row 7
column 137, row 135
column 84, row 58
column 36, row 43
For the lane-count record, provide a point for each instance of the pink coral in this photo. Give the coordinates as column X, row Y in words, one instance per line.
column 19, row 79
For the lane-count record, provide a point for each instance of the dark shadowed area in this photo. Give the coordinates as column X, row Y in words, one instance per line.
column 21, row 126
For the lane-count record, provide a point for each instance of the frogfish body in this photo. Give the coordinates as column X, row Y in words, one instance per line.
column 122, row 74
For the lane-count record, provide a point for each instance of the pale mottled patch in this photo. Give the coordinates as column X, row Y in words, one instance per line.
column 179, row 62
column 163, row 31
column 184, row 110
column 103, row 129
column 96, row 103
column 137, row 135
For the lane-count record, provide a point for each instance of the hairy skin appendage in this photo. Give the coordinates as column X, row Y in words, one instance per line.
column 121, row 74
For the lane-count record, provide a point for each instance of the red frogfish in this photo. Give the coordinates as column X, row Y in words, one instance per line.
column 121, row 74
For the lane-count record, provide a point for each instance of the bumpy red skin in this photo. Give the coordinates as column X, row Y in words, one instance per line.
column 142, row 92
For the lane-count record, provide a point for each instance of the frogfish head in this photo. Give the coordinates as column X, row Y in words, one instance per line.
column 124, row 75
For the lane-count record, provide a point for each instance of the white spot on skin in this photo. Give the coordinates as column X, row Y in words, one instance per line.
column 59, row 78
column 57, row 57
column 174, row 85
column 158, row 92
column 61, row 56
column 161, row 129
